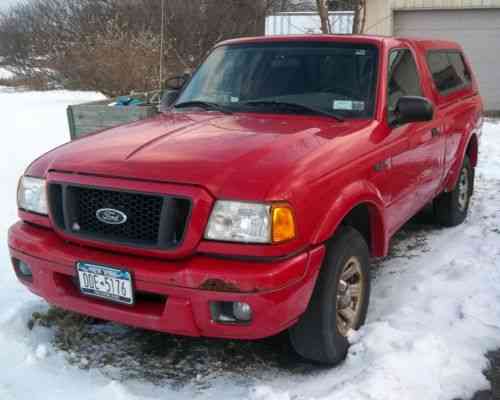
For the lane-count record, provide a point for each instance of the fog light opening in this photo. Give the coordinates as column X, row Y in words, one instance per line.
column 23, row 270
column 228, row 312
column 242, row 311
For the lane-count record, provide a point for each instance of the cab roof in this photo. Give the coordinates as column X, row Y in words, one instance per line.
column 378, row 40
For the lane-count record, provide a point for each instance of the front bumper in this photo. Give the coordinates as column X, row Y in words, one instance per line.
column 174, row 296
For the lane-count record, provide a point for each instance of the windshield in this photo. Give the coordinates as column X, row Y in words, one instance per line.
column 330, row 78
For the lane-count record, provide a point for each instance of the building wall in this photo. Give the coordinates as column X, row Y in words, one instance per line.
column 379, row 13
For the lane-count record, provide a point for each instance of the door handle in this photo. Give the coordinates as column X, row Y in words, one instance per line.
column 435, row 132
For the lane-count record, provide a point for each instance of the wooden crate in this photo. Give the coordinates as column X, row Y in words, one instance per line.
column 84, row 119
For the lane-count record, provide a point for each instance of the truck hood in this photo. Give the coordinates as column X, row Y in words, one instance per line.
column 233, row 156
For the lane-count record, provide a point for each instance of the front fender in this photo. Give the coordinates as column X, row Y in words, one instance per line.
column 353, row 195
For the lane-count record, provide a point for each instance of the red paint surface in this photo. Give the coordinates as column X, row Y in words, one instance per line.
column 277, row 291
column 322, row 167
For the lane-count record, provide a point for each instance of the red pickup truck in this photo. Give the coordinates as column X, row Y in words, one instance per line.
column 253, row 204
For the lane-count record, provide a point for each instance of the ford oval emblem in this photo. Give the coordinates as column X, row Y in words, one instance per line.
column 111, row 216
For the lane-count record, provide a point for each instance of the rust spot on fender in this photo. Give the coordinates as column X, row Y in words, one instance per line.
column 218, row 285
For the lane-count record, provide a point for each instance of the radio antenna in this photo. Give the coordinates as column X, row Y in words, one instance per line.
column 162, row 42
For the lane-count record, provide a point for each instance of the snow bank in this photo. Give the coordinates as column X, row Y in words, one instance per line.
column 4, row 74
column 431, row 319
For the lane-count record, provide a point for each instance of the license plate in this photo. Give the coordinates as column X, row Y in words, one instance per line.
column 108, row 283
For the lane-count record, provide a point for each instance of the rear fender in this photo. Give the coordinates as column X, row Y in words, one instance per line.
column 454, row 172
column 356, row 194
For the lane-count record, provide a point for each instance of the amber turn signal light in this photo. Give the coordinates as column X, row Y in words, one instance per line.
column 283, row 223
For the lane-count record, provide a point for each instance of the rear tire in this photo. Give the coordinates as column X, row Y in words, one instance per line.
column 342, row 291
column 451, row 208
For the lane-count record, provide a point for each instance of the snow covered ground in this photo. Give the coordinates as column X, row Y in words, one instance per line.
column 4, row 74
column 434, row 310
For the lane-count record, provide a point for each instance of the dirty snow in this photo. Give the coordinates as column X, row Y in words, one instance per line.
column 434, row 310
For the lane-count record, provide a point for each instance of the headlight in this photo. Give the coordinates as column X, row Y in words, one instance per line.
column 32, row 196
column 235, row 221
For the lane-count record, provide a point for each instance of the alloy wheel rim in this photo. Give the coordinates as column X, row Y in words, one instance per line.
column 350, row 292
column 463, row 190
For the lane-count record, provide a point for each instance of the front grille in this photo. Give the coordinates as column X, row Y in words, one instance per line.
column 148, row 220
column 143, row 214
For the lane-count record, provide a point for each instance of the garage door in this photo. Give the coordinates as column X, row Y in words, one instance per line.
column 478, row 31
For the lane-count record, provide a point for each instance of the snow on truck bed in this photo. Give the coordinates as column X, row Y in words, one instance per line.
column 434, row 311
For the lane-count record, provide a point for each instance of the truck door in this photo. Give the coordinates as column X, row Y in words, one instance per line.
column 429, row 143
column 406, row 164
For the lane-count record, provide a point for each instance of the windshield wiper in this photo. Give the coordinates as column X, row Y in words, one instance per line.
column 206, row 105
column 291, row 106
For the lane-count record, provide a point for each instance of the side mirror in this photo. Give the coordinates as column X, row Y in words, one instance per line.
column 413, row 109
column 177, row 82
column 169, row 98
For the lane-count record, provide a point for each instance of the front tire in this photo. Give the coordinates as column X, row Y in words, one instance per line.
column 451, row 208
column 339, row 302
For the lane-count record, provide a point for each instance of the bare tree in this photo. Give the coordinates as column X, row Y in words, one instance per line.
column 195, row 26
column 114, row 45
column 359, row 8
column 323, row 11
column 295, row 5
column 360, row 16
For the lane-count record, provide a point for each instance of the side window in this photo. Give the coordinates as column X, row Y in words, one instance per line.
column 448, row 69
column 403, row 78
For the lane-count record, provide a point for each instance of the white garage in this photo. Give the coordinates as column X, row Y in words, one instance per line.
column 478, row 31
